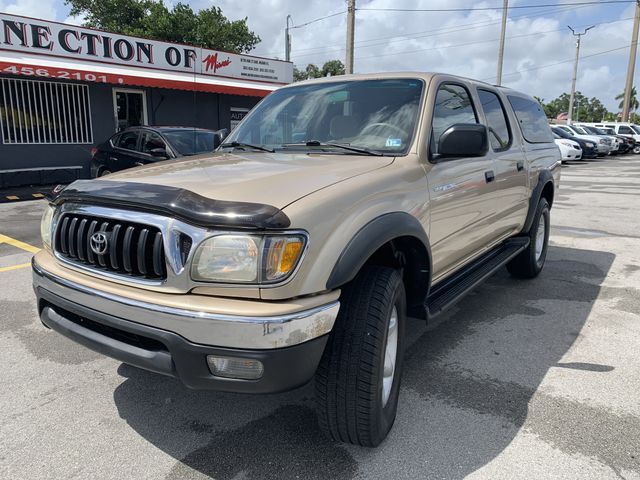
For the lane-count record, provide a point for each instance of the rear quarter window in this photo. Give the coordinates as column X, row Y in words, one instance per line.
column 532, row 119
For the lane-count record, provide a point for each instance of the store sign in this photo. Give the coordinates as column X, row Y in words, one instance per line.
column 237, row 114
column 41, row 37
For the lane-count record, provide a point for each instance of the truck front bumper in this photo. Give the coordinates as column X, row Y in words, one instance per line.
column 119, row 327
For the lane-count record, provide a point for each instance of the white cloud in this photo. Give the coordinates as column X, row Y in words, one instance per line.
column 535, row 38
column 45, row 9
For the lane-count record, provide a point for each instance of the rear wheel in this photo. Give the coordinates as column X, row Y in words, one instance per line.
column 358, row 379
column 530, row 262
column 636, row 149
column 104, row 172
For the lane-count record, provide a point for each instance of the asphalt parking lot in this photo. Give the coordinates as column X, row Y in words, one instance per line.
column 523, row 379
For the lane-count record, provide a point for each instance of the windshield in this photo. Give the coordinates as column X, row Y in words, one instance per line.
column 635, row 128
column 580, row 130
column 378, row 115
column 190, row 142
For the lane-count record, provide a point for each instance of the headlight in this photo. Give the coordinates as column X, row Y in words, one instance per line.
column 589, row 144
column 45, row 226
column 247, row 258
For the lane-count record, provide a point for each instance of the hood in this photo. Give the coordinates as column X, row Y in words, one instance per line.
column 276, row 179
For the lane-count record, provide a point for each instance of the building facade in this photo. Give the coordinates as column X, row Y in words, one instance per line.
column 65, row 89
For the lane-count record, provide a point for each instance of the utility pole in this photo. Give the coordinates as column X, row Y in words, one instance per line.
column 505, row 8
column 626, row 103
column 351, row 25
column 575, row 70
column 287, row 40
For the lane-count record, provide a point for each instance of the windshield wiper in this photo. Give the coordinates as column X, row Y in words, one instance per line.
column 317, row 143
column 246, row 145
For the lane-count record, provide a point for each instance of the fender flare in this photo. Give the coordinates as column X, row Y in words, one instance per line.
column 544, row 178
column 369, row 239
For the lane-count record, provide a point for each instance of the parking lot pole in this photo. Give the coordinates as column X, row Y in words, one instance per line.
column 632, row 65
column 351, row 24
column 505, row 8
column 575, row 71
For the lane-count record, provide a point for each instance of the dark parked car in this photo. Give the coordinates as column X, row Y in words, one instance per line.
column 628, row 143
column 141, row 145
column 588, row 148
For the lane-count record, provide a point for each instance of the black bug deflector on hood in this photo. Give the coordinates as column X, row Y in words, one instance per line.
column 184, row 204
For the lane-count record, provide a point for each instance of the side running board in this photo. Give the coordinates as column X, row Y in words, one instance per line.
column 452, row 289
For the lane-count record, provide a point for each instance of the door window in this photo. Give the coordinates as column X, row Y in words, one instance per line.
column 130, row 108
column 533, row 121
column 128, row 140
column 152, row 141
column 624, row 130
column 453, row 105
column 499, row 132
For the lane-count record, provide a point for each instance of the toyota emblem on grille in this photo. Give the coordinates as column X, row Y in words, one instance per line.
column 98, row 243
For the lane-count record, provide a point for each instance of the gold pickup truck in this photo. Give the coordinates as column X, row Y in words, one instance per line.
column 296, row 251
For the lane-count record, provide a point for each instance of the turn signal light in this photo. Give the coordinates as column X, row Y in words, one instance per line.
column 233, row 367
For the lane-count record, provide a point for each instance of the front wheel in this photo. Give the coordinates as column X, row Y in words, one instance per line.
column 529, row 263
column 358, row 379
column 636, row 149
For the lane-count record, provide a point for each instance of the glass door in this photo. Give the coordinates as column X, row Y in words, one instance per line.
column 129, row 108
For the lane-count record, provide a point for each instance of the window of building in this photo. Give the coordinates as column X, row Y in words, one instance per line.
column 499, row 133
column 453, row 105
column 37, row 112
column 533, row 121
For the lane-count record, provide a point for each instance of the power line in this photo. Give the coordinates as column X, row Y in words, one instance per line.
column 428, row 33
column 540, row 67
column 603, row 2
column 318, row 19
column 465, row 44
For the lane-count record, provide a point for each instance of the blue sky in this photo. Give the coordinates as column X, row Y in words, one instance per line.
column 539, row 46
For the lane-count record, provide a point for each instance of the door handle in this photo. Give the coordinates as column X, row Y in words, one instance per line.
column 520, row 166
column 113, row 159
column 489, row 176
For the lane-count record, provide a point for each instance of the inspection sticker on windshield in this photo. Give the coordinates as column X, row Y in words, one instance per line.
column 393, row 142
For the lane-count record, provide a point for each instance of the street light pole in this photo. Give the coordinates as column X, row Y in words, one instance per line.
column 575, row 70
column 626, row 103
column 287, row 40
column 505, row 8
column 351, row 25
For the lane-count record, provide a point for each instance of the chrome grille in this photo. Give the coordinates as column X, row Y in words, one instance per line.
column 130, row 248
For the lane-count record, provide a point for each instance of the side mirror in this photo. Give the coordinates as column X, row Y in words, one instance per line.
column 219, row 136
column 159, row 153
column 463, row 140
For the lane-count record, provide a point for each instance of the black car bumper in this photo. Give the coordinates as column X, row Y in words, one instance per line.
column 170, row 354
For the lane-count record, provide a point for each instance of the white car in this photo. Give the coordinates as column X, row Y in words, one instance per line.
column 569, row 149
column 616, row 142
column 603, row 145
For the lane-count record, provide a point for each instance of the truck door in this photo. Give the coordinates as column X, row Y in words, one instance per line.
column 510, row 165
column 460, row 188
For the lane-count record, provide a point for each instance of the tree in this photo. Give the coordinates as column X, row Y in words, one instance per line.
column 330, row 68
column 633, row 100
column 151, row 18
column 585, row 109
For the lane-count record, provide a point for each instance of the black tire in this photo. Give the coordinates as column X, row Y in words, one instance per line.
column 529, row 264
column 349, row 379
column 103, row 172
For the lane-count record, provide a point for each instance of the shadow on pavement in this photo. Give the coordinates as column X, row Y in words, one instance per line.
column 488, row 356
